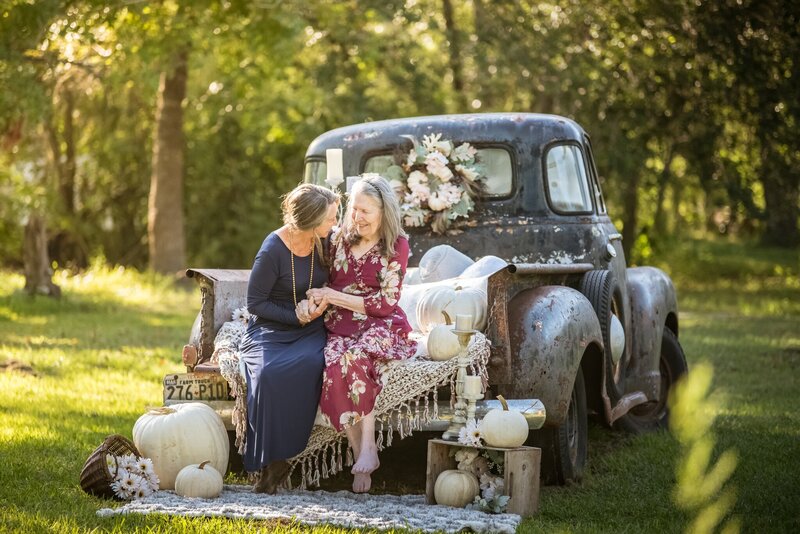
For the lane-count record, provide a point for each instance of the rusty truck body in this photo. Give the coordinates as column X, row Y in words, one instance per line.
column 570, row 323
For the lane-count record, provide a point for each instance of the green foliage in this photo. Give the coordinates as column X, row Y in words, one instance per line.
column 701, row 487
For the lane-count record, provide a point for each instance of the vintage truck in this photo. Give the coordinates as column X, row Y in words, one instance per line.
column 570, row 323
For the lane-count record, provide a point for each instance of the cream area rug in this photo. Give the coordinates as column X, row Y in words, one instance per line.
column 343, row 508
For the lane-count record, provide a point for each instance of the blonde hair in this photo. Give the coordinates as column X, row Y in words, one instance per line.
column 377, row 188
column 306, row 206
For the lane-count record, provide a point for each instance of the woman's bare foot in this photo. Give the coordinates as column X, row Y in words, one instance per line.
column 362, row 470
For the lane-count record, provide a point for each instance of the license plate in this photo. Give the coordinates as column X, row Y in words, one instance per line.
column 195, row 387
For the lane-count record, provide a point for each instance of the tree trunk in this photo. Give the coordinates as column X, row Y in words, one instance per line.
column 630, row 220
column 781, row 197
column 38, row 274
column 165, row 230
column 456, row 66
column 659, row 220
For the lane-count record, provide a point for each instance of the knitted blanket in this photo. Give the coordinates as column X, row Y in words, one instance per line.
column 407, row 401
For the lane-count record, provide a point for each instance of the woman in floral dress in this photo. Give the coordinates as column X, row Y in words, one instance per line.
column 366, row 326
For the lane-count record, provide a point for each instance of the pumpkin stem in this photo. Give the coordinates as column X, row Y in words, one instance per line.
column 202, row 465
column 503, row 402
column 447, row 320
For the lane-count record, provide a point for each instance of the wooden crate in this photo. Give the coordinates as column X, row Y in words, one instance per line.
column 522, row 467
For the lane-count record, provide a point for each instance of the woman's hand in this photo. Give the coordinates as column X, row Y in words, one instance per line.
column 307, row 310
column 318, row 294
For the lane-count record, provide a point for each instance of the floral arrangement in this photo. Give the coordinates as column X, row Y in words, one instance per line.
column 241, row 315
column 486, row 465
column 437, row 183
column 135, row 477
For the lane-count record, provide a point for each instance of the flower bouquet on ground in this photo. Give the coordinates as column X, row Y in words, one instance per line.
column 134, row 476
column 437, row 183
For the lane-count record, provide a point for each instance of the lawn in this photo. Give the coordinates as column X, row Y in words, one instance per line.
column 87, row 365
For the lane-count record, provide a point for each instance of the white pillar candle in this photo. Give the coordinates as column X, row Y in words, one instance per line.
column 473, row 386
column 335, row 168
column 463, row 322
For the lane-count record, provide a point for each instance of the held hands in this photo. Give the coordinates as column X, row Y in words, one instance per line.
column 320, row 294
column 308, row 310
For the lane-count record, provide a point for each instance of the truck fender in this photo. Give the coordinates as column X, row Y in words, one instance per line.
column 653, row 305
column 551, row 328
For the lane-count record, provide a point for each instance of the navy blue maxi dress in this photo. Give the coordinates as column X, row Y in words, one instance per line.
column 284, row 360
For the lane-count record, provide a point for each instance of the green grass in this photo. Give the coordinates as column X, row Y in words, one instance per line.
column 98, row 356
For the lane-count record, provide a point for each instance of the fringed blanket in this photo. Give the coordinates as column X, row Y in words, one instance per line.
column 407, row 401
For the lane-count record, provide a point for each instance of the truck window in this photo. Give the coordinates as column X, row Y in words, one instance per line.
column 495, row 162
column 567, row 184
column 315, row 172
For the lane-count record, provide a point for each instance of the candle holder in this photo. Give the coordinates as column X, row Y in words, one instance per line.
column 459, row 419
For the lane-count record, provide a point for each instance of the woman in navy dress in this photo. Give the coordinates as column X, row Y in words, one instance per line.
column 283, row 347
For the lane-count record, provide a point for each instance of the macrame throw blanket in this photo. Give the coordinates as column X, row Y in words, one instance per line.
column 407, row 401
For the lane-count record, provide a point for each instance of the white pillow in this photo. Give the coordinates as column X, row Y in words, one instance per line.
column 442, row 262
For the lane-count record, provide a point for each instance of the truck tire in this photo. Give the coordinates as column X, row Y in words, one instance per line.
column 603, row 291
column 655, row 415
column 564, row 447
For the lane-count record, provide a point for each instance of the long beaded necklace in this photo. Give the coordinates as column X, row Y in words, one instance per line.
column 310, row 276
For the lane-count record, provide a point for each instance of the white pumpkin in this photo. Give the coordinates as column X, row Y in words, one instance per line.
column 459, row 301
column 504, row 428
column 443, row 344
column 199, row 481
column 180, row 435
column 455, row 488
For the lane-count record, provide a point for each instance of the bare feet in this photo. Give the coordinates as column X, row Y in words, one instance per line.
column 362, row 470
column 271, row 477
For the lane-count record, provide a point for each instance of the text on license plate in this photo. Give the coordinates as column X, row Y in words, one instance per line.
column 195, row 386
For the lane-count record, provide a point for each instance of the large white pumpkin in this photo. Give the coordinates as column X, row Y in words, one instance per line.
column 504, row 428
column 459, row 301
column 180, row 435
column 455, row 488
column 202, row 481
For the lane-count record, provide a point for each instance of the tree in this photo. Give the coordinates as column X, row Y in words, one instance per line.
column 165, row 227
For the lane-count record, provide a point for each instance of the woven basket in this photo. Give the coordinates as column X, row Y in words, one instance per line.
column 96, row 478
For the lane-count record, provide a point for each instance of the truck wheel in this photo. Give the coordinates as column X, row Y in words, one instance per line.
column 655, row 415
column 605, row 294
column 564, row 447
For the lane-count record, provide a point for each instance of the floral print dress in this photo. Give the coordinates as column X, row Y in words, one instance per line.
column 361, row 344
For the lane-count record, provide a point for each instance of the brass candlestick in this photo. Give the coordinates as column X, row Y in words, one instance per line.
column 459, row 419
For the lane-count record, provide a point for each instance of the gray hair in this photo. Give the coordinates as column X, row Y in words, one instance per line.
column 377, row 187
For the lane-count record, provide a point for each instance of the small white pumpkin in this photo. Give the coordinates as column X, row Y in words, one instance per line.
column 179, row 435
column 455, row 488
column 443, row 344
column 199, row 481
column 504, row 428
column 459, row 301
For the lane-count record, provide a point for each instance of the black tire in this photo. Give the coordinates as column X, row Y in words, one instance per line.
column 654, row 415
column 564, row 447
column 602, row 289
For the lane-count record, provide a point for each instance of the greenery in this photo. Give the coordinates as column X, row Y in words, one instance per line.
column 691, row 107
column 77, row 369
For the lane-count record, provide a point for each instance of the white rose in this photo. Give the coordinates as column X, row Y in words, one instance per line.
column 417, row 178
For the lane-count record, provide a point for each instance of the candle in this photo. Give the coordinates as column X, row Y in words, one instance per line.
column 335, row 167
column 473, row 386
column 463, row 322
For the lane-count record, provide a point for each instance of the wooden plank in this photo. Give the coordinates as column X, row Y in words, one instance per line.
column 438, row 460
column 522, row 468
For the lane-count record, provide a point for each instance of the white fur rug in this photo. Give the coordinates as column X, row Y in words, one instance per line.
column 342, row 508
